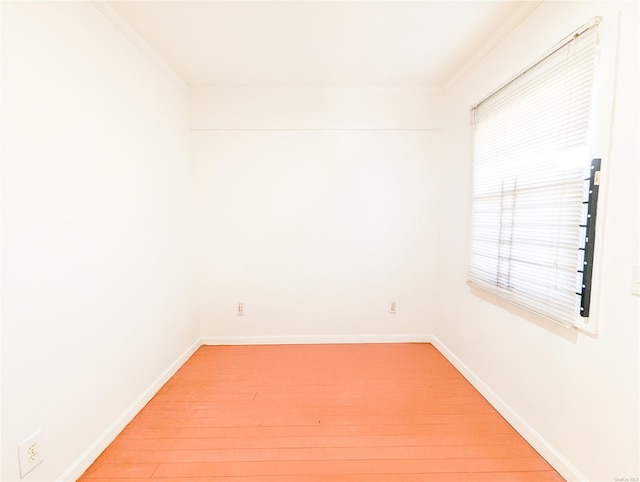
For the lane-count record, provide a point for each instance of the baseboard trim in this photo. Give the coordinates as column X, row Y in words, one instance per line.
column 553, row 456
column 89, row 456
column 537, row 441
column 316, row 339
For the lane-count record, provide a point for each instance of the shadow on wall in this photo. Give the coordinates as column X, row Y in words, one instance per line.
column 569, row 334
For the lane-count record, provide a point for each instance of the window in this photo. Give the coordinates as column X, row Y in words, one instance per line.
column 533, row 182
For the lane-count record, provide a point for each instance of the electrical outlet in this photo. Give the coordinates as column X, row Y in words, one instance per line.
column 30, row 453
column 240, row 309
column 393, row 308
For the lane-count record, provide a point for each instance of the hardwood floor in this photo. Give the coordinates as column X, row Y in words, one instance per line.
column 308, row 413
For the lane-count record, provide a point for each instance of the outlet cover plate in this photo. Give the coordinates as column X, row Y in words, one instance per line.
column 30, row 453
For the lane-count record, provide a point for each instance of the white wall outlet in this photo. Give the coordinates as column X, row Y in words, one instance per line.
column 392, row 310
column 240, row 309
column 30, row 453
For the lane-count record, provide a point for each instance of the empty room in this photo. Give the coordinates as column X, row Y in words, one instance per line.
column 374, row 241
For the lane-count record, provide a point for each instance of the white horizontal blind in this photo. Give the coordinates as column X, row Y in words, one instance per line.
column 531, row 156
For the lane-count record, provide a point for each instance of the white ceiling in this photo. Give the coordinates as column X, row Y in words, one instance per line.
column 318, row 42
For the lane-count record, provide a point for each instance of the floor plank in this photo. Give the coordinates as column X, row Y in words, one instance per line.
column 310, row 413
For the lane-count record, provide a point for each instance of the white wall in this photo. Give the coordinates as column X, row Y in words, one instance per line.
column 579, row 392
column 316, row 209
column 98, row 293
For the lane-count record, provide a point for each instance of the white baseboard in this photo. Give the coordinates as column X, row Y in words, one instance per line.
column 85, row 460
column 537, row 441
column 553, row 456
column 315, row 339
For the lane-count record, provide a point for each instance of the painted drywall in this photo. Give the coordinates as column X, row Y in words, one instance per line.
column 579, row 392
column 316, row 209
column 98, row 293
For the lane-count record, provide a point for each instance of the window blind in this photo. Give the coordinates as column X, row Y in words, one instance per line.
column 531, row 157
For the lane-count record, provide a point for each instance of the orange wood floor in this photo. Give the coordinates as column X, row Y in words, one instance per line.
column 303, row 413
